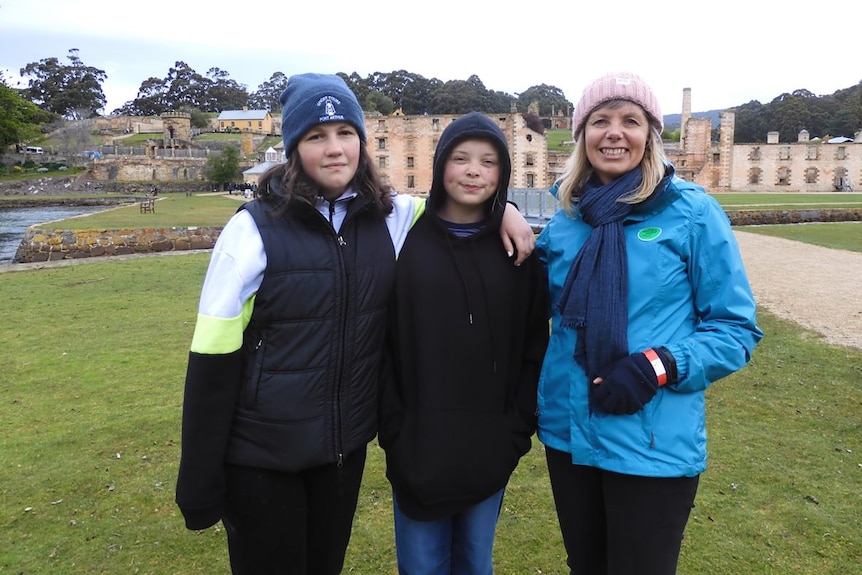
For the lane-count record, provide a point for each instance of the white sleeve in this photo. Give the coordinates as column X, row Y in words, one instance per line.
column 235, row 270
column 406, row 209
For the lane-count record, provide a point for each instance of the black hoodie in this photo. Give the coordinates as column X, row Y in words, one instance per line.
column 467, row 334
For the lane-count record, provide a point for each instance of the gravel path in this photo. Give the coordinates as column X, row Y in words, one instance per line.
column 818, row 288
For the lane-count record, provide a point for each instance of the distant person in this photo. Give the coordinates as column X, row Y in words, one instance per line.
column 650, row 305
column 468, row 332
column 284, row 367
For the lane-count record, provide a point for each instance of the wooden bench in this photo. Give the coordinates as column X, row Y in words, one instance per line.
column 148, row 206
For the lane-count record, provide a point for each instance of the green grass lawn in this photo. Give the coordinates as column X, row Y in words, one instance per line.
column 770, row 201
column 93, row 365
column 139, row 139
column 32, row 174
column 837, row 235
column 171, row 210
column 555, row 138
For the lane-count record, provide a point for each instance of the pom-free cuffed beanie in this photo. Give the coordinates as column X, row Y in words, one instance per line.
column 312, row 99
column 616, row 86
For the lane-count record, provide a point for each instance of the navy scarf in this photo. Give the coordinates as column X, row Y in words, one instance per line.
column 594, row 298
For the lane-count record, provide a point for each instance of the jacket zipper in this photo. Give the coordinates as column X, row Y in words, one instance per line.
column 342, row 289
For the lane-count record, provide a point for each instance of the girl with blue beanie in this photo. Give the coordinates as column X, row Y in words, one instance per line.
column 281, row 385
column 650, row 306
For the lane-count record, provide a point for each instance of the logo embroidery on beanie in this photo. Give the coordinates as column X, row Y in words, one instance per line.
column 328, row 103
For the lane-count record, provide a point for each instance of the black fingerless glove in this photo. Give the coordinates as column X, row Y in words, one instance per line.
column 629, row 383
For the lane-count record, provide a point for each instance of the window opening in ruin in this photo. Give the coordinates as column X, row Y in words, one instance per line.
column 754, row 175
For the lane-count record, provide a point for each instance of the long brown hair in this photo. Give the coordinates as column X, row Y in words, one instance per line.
column 287, row 182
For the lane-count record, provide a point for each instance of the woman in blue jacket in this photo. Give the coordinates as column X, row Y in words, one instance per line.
column 650, row 305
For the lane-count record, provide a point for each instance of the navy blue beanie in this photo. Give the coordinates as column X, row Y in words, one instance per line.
column 312, row 99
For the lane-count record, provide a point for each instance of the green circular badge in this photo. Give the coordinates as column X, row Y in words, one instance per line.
column 649, row 234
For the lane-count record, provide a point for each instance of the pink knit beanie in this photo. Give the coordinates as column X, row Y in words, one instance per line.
column 617, row 86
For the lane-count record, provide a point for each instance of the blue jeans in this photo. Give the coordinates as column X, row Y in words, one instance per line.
column 458, row 545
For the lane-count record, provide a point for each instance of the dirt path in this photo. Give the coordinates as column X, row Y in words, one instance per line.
column 818, row 288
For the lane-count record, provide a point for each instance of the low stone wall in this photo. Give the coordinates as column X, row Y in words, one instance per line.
column 43, row 244
column 775, row 217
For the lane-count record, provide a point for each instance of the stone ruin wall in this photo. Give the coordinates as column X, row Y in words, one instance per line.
column 41, row 244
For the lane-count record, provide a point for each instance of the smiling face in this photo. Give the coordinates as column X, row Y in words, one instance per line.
column 470, row 176
column 329, row 154
column 615, row 138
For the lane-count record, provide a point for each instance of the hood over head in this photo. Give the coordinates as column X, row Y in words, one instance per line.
column 472, row 125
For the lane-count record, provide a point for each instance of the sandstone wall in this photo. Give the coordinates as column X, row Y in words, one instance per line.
column 44, row 244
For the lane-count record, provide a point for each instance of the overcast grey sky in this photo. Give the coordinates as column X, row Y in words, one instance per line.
column 730, row 54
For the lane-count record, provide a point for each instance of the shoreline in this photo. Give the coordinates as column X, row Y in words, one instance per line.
column 47, row 202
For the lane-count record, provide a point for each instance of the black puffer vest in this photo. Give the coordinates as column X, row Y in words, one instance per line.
column 313, row 348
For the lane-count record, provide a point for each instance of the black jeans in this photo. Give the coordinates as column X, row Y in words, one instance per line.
column 291, row 523
column 614, row 524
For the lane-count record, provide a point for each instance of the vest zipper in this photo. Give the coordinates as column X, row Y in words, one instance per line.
column 339, row 372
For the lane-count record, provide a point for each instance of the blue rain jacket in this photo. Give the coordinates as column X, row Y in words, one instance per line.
column 688, row 291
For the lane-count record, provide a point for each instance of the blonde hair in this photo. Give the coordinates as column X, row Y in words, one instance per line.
column 578, row 172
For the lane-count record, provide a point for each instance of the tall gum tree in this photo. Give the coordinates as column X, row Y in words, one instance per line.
column 73, row 91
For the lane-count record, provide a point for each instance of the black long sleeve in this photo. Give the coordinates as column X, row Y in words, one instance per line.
column 212, row 384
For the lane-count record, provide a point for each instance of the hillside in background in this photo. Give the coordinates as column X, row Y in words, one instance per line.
column 672, row 121
column 826, row 116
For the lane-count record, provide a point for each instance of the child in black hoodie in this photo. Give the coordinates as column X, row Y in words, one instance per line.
column 467, row 334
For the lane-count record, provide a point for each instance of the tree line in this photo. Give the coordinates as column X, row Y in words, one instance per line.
column 72, row 90
column 838, row 114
